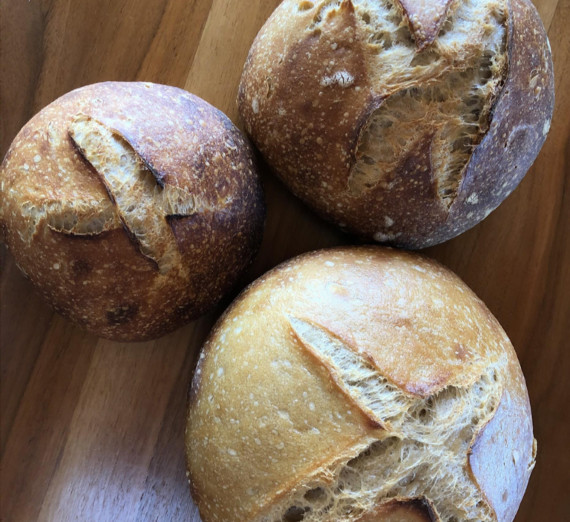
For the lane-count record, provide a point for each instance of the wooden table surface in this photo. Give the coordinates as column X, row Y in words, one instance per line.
column 92, row 430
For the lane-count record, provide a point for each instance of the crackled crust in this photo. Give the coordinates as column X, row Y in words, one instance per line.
column 350, row 378
column 319, row 72
column 136, row 257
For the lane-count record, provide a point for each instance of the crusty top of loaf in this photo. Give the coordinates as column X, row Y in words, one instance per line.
column 278, row 403
column 132, row 206
column 328, row 95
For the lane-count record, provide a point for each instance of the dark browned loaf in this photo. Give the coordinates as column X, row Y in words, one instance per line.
column 133, row 207
column 403, row 121
column 359, row 384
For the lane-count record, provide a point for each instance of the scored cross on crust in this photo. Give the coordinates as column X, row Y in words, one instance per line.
column 423, row 443
column 138, row 199
column 132, row 206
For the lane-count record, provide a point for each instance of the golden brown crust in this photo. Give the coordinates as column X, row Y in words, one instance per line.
column 270, row 412
column 300, row 107
column 67, row 233
column 298, row 112
column 398, row 305
column 314, row 78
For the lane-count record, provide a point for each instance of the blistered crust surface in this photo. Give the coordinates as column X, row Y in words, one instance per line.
column 347, row 378
column 319, row 96
column 132, row 206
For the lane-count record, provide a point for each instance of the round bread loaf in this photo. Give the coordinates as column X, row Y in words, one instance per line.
column 133, row 207
column 403, row 121
column 359, row 384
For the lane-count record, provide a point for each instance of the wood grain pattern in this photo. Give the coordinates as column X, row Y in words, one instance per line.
column 93, row 430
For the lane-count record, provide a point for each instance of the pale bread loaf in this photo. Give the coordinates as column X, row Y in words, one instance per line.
column 358, row 384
